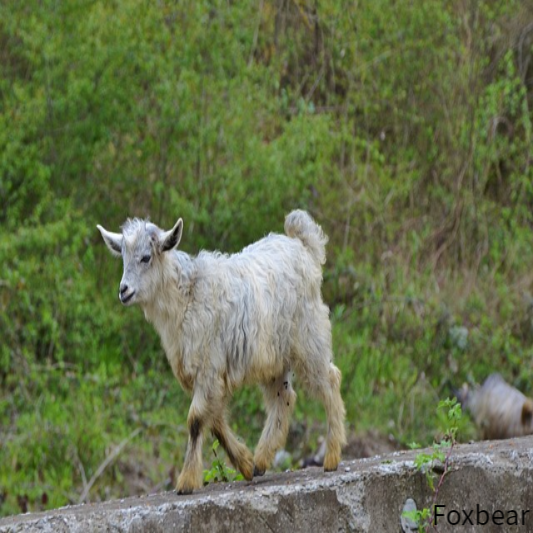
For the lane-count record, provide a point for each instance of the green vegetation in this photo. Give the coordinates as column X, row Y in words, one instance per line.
column 435, row 465
column 219, row 471
column 404, row 128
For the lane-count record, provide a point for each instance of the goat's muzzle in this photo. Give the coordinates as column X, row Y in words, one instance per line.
column 125, row 294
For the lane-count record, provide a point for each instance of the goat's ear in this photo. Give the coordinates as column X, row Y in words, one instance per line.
column 112, row 240
column 170, row 239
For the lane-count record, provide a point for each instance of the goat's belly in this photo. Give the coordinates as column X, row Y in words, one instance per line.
column 263, row 367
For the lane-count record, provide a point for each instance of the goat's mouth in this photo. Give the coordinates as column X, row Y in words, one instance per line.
column 126, row 298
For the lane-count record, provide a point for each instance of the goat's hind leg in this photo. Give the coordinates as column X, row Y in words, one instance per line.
column 323, row 380
column 280, row 400
column 336, row 438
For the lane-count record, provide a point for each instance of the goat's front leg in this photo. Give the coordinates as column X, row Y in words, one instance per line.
column 191, row 477
column 239, row 455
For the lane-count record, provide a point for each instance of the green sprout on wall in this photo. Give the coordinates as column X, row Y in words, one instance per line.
column 436, row 463
column 219, row 471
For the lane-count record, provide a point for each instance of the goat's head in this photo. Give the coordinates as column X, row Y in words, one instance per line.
column 141, row 246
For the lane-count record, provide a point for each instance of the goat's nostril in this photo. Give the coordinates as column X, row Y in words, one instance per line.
column 123, row 289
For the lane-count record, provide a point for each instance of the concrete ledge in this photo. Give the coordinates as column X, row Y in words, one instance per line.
column 365, row 495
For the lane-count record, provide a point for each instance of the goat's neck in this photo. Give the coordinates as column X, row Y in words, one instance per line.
column 167, row 309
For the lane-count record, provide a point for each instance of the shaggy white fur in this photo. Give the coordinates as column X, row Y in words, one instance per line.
column 225, row 320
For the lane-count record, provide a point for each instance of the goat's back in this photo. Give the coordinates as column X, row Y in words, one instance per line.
column 254, row 306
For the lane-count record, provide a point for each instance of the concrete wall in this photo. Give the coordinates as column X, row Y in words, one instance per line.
column 366, row 495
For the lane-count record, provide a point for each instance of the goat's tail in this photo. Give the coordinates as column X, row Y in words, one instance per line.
column 300, row 225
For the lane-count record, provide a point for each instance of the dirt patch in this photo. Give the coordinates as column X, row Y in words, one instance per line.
column 368, row 445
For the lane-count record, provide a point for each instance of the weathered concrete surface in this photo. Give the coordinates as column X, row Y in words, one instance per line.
column 366, row 495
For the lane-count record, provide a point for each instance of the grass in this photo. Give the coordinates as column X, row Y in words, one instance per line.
column 72, row 433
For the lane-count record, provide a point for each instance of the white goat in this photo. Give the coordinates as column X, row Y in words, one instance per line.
column 226, row 320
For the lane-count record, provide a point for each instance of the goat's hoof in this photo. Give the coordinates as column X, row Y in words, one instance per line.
column 188, row 481
column 258, row 472
column 247, row 469
column 330, row 466
column 186, row 487
column 331, row 461
column 184, row 491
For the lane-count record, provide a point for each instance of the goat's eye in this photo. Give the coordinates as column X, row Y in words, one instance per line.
column 145, row 259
